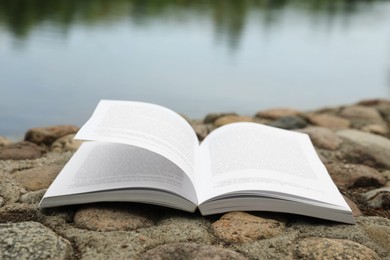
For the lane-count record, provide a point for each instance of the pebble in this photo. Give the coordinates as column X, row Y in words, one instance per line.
column 329, row 121
column 201, row 130
column 9, row 190
column 347, row 176
column 241, row 227
column 37, row 178
column 355, row 209
column 323, row 137
column 289, row 122
column 2, row 202
column 277, row 113
column 66, row 143
column 111, row 217
column 212, row 117
column 224, row 120
column 32, row 240
column 361, row 112
column 326, row 248
column 375, row 147
column 376, row 129
column 21, row 151
column 47, row 135
column 378, row 198
column 191, row 251
column 33, row 197
column 4, row 141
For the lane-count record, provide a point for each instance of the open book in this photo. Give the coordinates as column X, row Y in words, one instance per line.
column 146, row 153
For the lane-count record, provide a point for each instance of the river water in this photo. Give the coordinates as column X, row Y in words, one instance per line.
column 59, row 58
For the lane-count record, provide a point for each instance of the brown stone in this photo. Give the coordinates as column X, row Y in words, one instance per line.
column 380, row 234
column 111, row 217
column 241, row 227
column 47, row 135
column 326, row 248
column 328, row 121
column 232, row 119
column 355, row 209
column 210, row 118
column 66, row 143
column 21, row 151
column 378, row 198
column 37, row 178
column 9, row 190
column 191, row 251
column 277, row 113
column 361, row 112
column 376, row 129
column 323, row 137
column 348, row 176
column 4, row 141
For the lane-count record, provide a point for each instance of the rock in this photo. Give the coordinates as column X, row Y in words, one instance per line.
column 323, row 137
column 329, row 121
column 232, row 119
column 65, row 144
column 190, row 251
column 33, row 197
column 289, row 122
column 241, row 227
column 277, row 113
column 378, row 198
column 361, row 113
column 376, row 129
column 37, row 178
column 355, row 209
column 2, row 202
column 380, row 234
column 31, row 240
column 348, row 176
column 111, row 217
column 47, row 135
column 9, row 190
column 201, row 130
column 21, row 151
column 326, row 248
column 374, row 146
column 4, row 141
column 212, row 117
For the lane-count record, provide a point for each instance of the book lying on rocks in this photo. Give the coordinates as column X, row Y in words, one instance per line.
column 146, row 153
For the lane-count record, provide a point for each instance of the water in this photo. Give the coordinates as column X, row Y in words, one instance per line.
column 59, row 58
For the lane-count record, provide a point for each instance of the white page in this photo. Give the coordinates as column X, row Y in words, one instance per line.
column 100, row 166
column 253, row 157
column 145, row 125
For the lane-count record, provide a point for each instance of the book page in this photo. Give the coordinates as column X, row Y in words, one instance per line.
column 145, row 125
column 251, row 158
column 100, row 166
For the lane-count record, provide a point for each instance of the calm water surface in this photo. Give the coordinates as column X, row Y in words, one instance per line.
column 59, row 58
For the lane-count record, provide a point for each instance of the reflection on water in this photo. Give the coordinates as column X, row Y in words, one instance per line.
column 58, row 58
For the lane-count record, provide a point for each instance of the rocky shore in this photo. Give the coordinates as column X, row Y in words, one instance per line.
column 353, row 141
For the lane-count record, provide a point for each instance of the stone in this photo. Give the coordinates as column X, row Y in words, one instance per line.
column 47, row 135
column 378, row 198
column 31, row 240
column 190, row 251
column 326, row 248
column 37, row 178
column 277, row 113
column 380, row 234
column 33, row 197
column 323, row 137
column 376, row 129
column 9, row 190
column 374, row 146
column 347, row 176
column 212, row 117
column 111, row 217
column 224, row 120
column 241, row 227
column 17, row 212
column 355, row 209
column 329, row 121
column 289, row 122
column 361, row 112
column 201, row 130
column 2, row 202
column 66, row 143
column 21, row 151
column 4, row 141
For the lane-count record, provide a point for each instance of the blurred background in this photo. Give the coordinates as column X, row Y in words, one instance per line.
column 59, row 58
